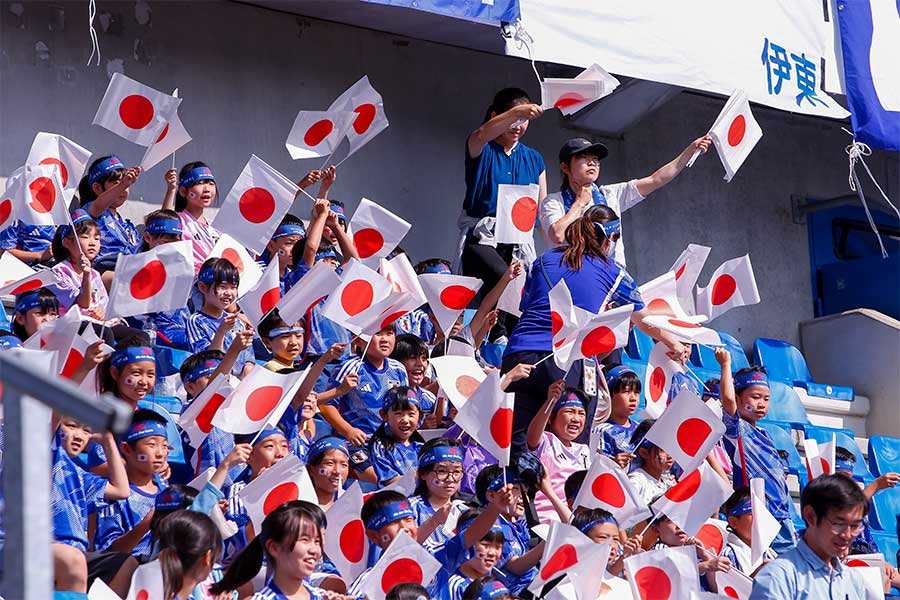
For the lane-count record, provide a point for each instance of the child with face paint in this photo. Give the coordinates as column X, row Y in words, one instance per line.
column 615, row 434
column 33, row 309
column 484, row 556
column 196, row 191
column 650, row 473
column 670, row 535
column 739, row 513
column 601, row 526
column 412, row 352
column 437, row 492
column 394, row 447
column 328, row 463
column 130, row 372
column 287, row 235
column 77, row 283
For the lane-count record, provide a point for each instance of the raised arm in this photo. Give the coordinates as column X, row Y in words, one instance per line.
column 490, row 300
column 667, row 172
column 171, row 177
column 314, row 233
column 499, row 124
column 539, row 422
column 107, row 197
column 726, row 383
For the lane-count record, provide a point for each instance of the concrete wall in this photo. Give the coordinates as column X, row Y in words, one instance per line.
column 245, row 71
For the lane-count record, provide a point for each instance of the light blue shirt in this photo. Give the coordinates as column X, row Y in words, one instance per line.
column 800, row 574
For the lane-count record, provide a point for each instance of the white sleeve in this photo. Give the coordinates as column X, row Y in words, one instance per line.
column 551, row 211
column 621, row 196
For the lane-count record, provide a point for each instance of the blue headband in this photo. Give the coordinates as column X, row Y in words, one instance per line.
column 609, row 228
column 289, row 229
column 438, row 269
column 104, row 168
column 196, row 175
column 713, row 390
column 613, row 374
column 591, row 524
column 134, row 354
column 170, row 500
column 390, row 397
column 386, row 515
column 743, row 508
column 9, row 341
column 27, row 301
column 339, row 211
column 204, row 369
column 164, row 226
column 266, row 433
column 207, row 275
column 78, row 216
column 144, row 429
column 744, row 380
column 512, row 476
column 844, row 464
column 328, row 252
column 323, row 445
column 279, row 331
column 440, row 453
column 568, row 399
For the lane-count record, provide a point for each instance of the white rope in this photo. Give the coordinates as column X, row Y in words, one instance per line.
column 523, row 39
column 95, row 42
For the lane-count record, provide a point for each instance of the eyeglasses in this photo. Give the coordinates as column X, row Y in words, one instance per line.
column 442, row 475
column 838, row 528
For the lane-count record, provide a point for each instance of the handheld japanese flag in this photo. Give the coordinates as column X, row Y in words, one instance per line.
column 697, row 495
column 376, row 231
column 459, row 377
column 17, row 277
column 147, row 582
column 101, row 591
column 735, row 133
column 603, row 333
column 765, row 525
column 569, row 95
column 135, row 111
column 595, row 72
column 228, row 248
column 359, row 289
column 308, row 292
column 251, row 212
column 401, row 275
column 9, row 200
column 732, row 285
column 563, row 323
column 345, row 538
column 819, row 458
column 565, row 548
column 661, row 297
column 154, row 281
column 713, row 535
column 448, row 296
column 173, row 137
column 61, row 152
column 383, row 313
column 511, row 298
column 488, row 417
column 264, row 296
column 687, row 330
column 370, row 120
column 607, row 486
column 77, row 350
column 287, row 480
column 687, row 269
column 665, row 574
column 317, row 133
column 734, row 584
column 55, row 337
column 658, row 379
column 405, row 561
column 42, row 199
column 260, row 399
column 516, row 213
column 196, row 420
column 687, row 430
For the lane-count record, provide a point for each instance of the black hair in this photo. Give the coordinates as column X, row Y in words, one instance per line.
column 504, row 100
column 421, row 486
column 483, row 480
column 181, row 201
column 283, row 526
column 832, row 492
column 48, row 302
column 377, row 501
column 187, row 495
column 637, row 436
column 399, row 401
column 85, row 188
column 56, row 245
column 272, row 321
column 105, row 380
column 573, row 484
column 441, row 349
column 739, row 496
column 492, row 536
column 474, row 589
column 185, row 537
column 629, row 381
column 407, row 591
column 397, row 251
column 584, row 516
column 246, row 438
column 583, row 239
column 318, row 459
column 429, row 263
column 409, row 345
column 225, row 271
column 195, row 360
column 157, row 215
column 841, row 453
column 745, row 370
column 564, row 183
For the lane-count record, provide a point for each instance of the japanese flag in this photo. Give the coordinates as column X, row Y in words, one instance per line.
column 287, row 480
column 511, row 298
column 383, row 313
column 173, row 137
column 101, row 591
column 658, row 379
column 819, row 458
column 308, row 292
column 56, row 336
column 603, row 333
column 488, row 417
column 565, row 548
column 735, row 133
column 376, row 231
column 607, row 486
column 516, row 212
column 9, row 200
column 697, row 495
column 147, row 582
column 135, row 111
column 76, row 351
column 251, row 212
column 448, row 296
column 61, row 152
column 687, row 430
column 360, row 288
column 687, row 269
column 765, row 525
column 42, row 199
column 345, row 538
column 563, row 323
column 154, row 281
column 595, row 72
column 401, row 275
column 370, row 120
column 405, row 561
column 459, row 377
column 228, row 248
column 734, row 584
column 569, row 95
column 264, row 296
column 260, row 399
column 17, row 277
column 664, row 574
column 661, row 297
column 713, row 535
column 196, row 420
column 687, row 330
column 317, row 133
column 732, row 285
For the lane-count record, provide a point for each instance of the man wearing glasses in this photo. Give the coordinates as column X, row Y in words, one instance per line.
column 833, row 508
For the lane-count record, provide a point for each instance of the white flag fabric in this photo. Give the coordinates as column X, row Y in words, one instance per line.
column 383, row 313
column 687, row 430
column 154, row 281
column 404, row 561
column 871, row 567
column 370, row 119
column 735, row 133
column 17, row 277
column 360, row 288
column 61, row 152
column 9, row 200
column 260, row 399
column 603, row 333
column 511, row 298
column 41, row 197
column 488, row 417
column 173, row 137
column 607, row 486
column 101, row 591
column 595, row 72
column 697, row 495
column 713, row 535
column 459, row 377
column 765, row 525
column 732, row 285
column 345, row 538
column 71, row 359
column 734, row 584
column 147, row 582
column 264, row 296
column 254, row 207
column 285, row 481
column 565, row 548
column 376, row 231
column 658, row 379
column 228, row 248
column 687, row 269
column 55, row 337
column 196, row 420
column 661, row 297
column 665, row 574
column 687, row 330
column 312, row 288
column 317, row 132
column 448, row 296
column 819, row 458
column 402, row 276
column 569, row 95
column 563, row 323
column 516, row 213
column 135, row 111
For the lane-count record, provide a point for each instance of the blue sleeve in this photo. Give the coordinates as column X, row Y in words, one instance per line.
column 197, row 339
column 337, row 378
column 110, row 526
column 773, row 581
column 732, row 424
column 207, row 499
column 627, row 292
column 9, row 237
column 96, row 456
column 454, row 553
column 173, row 325
column 384, row 462
column 94, row 488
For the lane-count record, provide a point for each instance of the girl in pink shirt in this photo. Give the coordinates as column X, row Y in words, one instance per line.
column 196, row 191
column 77, row 283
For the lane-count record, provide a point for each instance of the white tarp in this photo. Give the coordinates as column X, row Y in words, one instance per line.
column 773, row 49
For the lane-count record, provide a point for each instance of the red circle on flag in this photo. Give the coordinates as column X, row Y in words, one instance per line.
column 269, row 300
column 314, row 303
column 680, row 271
column 691, row 434
column 72, row 361
column 262, row 400
column 466, row 385
column 365, row 115
column 556, row 323
column 523, row 214
column 317, row 132
column 5, row 211
column 657, row 384
column 357, row 296
column 143, row 595
column 565, row 557
column 685, row 324
column 148, row 280
column 857, row 563
column 660, row 307
column 711, row 537
column 352, row 541
column 653, row 583
column 569, row 99
column 32, row 284
column 43, row 194
column 501, row 427
column 599, row 341
column 731, row 592
column 392, row 317
column 607, row 489
column 204, row 417
column 368, row 241
column 281, row 493
column 723, row 289
column 402, row 570
column 686, row 488
column 456, row 297
column 826, row 468
column 136, row 111
column 63, row 172
column 162, row 135
column 736, row 130
column 257, row 205
column 232, row 256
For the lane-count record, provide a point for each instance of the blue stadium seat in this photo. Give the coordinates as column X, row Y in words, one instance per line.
column 783, row 441
column 785, row 363
column 884, row 455
column 785, row 405
column 639, row 345
column 738, row 356
column 705, row 358
column 168, row 360
column 797, row 518
column 886, row 507
column 888, row 545
column 844, row 439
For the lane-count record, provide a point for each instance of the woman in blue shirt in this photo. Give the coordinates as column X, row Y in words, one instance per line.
column 596, row 283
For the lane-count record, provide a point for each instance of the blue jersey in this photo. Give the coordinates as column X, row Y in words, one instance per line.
column 211, row 453
column 300, row 445
column 323, row 333
column 417, row 323
column 23, row 236
column 389, row 464
column 271, row 592
column 200, row 331
column 74, row 494
column 427, row 400
column 516, row 536
column 424, row 511
column 522, row 166
column 615, row 438
column 120, row 517
column 117, row 235
column 237, row 514
column 360, row 406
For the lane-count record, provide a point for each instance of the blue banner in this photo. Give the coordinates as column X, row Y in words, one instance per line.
column 484, row 11
column 864, row 25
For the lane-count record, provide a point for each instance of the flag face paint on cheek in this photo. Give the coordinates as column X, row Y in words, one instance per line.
column 142, row 457
column 324, row 471
column 129, row 381
column 385, row 538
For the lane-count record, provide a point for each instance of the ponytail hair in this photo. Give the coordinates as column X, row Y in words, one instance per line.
column 504, row 100
column 185, row 537
column 583, row 238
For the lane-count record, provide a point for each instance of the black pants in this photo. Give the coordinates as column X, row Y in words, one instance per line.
column 489, row 264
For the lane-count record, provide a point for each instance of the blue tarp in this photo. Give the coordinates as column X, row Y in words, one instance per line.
column 492, row 12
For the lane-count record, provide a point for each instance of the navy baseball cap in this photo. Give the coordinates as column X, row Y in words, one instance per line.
column 581, row 146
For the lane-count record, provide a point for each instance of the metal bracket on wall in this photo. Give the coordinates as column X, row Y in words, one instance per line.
column 803, row 205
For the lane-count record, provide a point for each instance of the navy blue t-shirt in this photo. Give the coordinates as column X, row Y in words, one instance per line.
column 492, row 167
